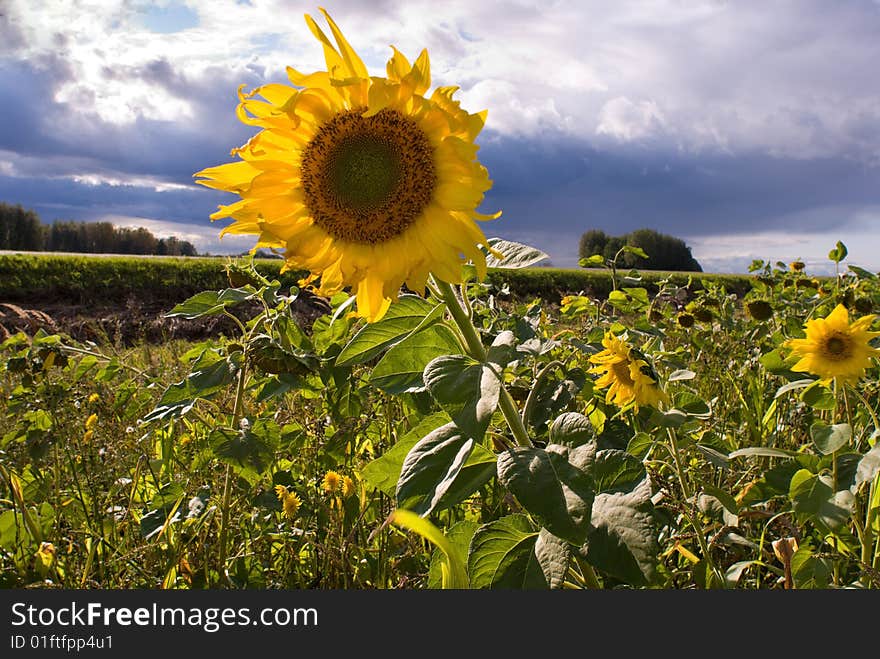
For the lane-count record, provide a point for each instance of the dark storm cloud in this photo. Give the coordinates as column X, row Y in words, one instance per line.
column 553, row 192
column 64, row 199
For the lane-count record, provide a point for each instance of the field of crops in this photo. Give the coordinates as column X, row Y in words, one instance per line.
column 514, row 433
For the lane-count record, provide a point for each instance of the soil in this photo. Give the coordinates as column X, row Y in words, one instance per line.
column 132, row 322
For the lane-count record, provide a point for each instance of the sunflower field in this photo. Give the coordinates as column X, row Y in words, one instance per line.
column 424, row 428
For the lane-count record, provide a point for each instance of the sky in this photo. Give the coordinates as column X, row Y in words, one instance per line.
column 750, row 128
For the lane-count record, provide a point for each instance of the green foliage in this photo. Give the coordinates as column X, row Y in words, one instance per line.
column 464, row 440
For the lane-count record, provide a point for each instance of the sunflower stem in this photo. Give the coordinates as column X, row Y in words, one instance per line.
column 476, row 350
column 691, row 499
column 237, row 413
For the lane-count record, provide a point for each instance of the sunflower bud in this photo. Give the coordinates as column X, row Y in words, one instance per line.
column 759, row 310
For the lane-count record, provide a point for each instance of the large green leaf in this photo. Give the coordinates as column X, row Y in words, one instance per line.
column 208, row 303
column 430, row 468
column 616, row 471
column 477, row 470
column 250, row 451
column 205, row 380
column 553, row 555
column 623, row 540
column 384, row 472
column 828, row 439
column 402, row 317
column 572, row 429
column 400, row 369
column 813, row 497
column 459, row 538
column 502, row 555
column 869, row 466
column 466, row 389
column 516, row 255
column 546, row 482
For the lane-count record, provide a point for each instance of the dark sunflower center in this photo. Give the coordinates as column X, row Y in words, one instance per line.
column 837, row 347
column 367, row 179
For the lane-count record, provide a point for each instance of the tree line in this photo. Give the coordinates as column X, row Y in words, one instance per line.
column 664, row 252
column 21, row 229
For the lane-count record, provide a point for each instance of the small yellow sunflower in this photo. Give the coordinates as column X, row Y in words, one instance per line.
column 348, row 487
column 290, row 501
column 332, row 482
column 91, row 421
column 834, row 348
column 361, row 180
column 628, row 377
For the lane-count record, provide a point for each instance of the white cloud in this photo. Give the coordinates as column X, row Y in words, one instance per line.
column 628, row 121
column 787, row 78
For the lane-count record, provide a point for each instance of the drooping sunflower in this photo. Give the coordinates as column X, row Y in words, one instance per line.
column 364, row 181
column 630, row 379
column 834, row 348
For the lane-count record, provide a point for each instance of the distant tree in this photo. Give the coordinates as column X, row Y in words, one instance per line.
column 664, row 252
column 20, row 228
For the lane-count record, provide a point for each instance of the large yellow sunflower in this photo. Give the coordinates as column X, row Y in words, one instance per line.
column 361, row 180
column 629, row 377
column 834, row 348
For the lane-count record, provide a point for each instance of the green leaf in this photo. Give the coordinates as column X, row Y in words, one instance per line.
column 838, row 253
column 776, row 364
column 503, row 349
column 760, row 451
column 384, row 472
column 454, row 573
column 812, row 497
column 553, row 555
column 400, row 370
column 516, row 255
column 572, row 429
column 623, row 540
column 638, row 251
column 616, row 471
column 861, row 273
column 558, row 494
column 818, row 396
column 502, row 555
column 592, row 261
column 828, row 439
column 205, row 380
column 402, row 317
column 477, row 470
column 808, row 571
column 791, row 386
column 249, row 452
column 430, row 468
column 208, row 303
column 724, row 498
column 459, row 537
column 466, row 389
column 869, row 466
column 682, row 374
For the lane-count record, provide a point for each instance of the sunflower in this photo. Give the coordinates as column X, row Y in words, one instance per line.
column 363, row 181
column 332, row 482
column 628, row 376
column 834, row 348
column 290, row 501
